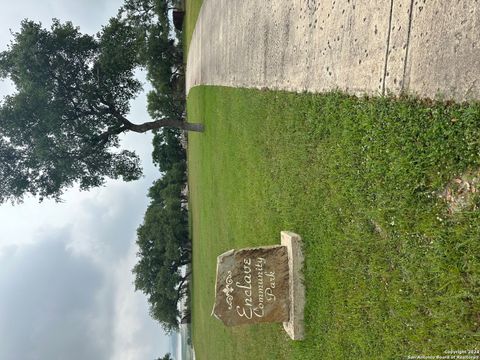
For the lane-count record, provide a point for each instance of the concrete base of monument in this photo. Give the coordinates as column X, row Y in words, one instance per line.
column 295, row 326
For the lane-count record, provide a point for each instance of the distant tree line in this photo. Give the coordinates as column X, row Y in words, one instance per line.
column 166, row 357
column 163, row 237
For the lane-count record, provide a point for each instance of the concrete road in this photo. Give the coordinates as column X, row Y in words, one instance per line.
column 430, row 48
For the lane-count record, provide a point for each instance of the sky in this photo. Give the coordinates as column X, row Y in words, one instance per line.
column 66, row 287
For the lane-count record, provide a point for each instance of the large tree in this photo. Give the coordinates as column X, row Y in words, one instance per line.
column 71, row 103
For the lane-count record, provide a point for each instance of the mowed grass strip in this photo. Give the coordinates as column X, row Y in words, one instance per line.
column 192, row 9
column 391, row 268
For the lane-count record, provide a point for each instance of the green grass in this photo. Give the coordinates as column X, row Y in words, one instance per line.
column 192, row 9
column 389, row 271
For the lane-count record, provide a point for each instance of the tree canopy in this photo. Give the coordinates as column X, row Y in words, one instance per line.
column 161, row 54
column 72, row 98
column 167, row 150
column 164, row 248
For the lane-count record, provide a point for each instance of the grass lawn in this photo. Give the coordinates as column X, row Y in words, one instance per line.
column 383, row 193
column 192, row 9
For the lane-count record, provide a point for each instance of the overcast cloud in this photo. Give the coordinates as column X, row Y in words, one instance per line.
column 50, row 304
column 66, row 288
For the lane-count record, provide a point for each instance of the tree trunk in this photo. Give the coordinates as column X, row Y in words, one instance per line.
column 127, row 125
column 197, row 127
column 154, row 125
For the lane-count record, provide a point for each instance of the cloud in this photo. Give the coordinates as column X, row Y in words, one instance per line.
column 91, row 14
column 52, row 306
column 59, row 303
column 136, row 335
column 104, row 226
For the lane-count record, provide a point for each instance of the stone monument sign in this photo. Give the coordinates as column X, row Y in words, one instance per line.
column 262, row 284
column 252, row 286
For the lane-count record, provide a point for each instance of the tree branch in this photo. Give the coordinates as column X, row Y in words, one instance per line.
column 104, row 137
column 180, row 288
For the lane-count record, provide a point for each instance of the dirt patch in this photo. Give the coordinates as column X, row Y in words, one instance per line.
column 377, row 229
column 463, row 192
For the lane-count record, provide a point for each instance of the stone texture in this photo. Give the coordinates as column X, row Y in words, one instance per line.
column 295, row 326
column 444, row 50
column 373, row 47
column 397, row 48
column 252, row 286
column 299, row 45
